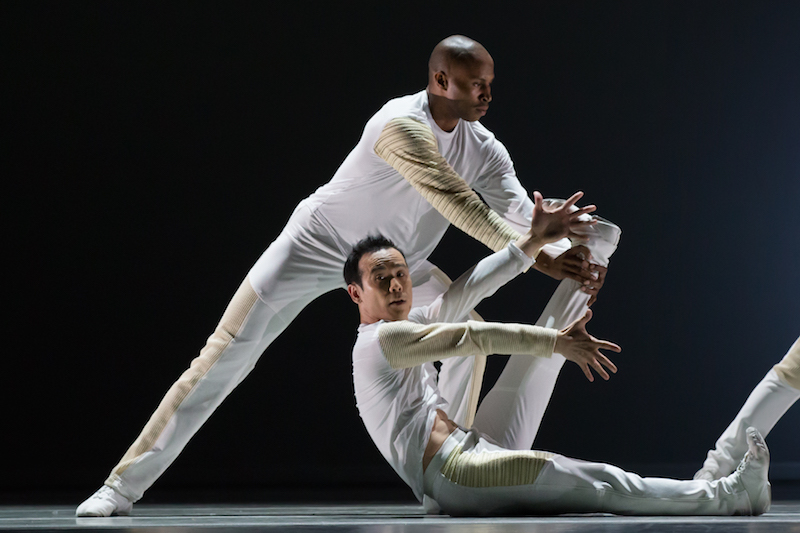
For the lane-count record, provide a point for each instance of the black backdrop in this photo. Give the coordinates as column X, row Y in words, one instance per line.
column 153, row 150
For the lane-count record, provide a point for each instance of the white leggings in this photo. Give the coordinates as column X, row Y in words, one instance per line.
column 471, row 476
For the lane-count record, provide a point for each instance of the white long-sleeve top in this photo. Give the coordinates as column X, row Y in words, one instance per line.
column 408, row 179
column 393, row 374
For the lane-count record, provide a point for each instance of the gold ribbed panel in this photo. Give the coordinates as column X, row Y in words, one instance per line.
column 789, row 367
column 410, row 147
column 408, row 344
column 228, row 327
column 494, row 469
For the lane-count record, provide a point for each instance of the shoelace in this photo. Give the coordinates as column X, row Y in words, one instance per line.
column 103, row 491
column 743, row 462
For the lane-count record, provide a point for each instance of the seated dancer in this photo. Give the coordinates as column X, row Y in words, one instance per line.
column 768, row 402
column 463, row 470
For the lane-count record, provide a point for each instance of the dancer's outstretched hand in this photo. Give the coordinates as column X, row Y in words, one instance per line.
column 580, row 347
column 552, row 223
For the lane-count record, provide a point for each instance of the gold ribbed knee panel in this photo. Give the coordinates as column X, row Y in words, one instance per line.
column 494, row 469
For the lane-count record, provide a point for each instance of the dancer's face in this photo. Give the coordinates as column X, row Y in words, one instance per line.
column 469, row 86
column 385, row 291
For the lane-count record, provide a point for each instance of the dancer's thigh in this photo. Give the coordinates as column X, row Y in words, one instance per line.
column 428, row 283
column 301, row 264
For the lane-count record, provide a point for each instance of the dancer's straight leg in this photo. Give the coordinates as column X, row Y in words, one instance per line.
column 513, row 410
column 471, row 476
column 767, row 403
column 293, row 271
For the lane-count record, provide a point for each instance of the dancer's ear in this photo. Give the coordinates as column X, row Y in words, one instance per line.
column 441, row 80
column 355, row 293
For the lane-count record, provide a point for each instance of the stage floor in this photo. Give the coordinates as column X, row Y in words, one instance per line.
column 373, row 518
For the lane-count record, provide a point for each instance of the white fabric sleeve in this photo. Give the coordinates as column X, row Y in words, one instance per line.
column 407, row 344
column 410, row 147
column 501, row 189
column 477, row 283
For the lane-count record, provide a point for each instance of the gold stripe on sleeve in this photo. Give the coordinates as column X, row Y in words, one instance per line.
column 408, row 344
column 410, row 147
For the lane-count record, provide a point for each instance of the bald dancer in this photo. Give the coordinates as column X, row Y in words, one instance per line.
column 415, row 171
column 767, row 403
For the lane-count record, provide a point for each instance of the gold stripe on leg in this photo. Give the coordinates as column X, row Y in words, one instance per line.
column 478, row 369
column 789, row 367
column 230, row 324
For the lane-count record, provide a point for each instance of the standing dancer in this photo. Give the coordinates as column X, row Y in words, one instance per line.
column 414, row 171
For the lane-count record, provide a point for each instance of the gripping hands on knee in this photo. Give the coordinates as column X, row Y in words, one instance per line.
column 575, row 263
column 579, row 346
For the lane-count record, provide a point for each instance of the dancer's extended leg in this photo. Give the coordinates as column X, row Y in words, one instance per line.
column 470, row 476
column 768, row 402
column 460, row 378
column 299, row 266
column 513, row 410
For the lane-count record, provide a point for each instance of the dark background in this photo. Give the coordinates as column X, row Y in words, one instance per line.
column 154, row 149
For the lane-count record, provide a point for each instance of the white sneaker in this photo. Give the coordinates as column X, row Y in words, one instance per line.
column 753, row 473
column 105, row 502
column 764, row 407
column 603, row 240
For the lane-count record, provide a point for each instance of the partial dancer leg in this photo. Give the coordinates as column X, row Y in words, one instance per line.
column 513, row 410
column 470, row 476
column 768, row 402
column 295, row 269
column 460, row 378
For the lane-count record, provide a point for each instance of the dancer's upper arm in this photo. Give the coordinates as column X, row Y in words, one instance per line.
column 410, row 147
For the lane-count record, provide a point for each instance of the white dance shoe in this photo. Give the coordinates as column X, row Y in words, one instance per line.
column 707, row 474
column 753, row 473
column 767, row 403
column 105, row 502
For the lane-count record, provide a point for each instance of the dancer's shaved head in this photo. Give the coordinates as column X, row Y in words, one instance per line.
column 455, row 50
column 460, row 76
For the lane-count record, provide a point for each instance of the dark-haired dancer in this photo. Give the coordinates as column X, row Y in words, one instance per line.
column 464, row 470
